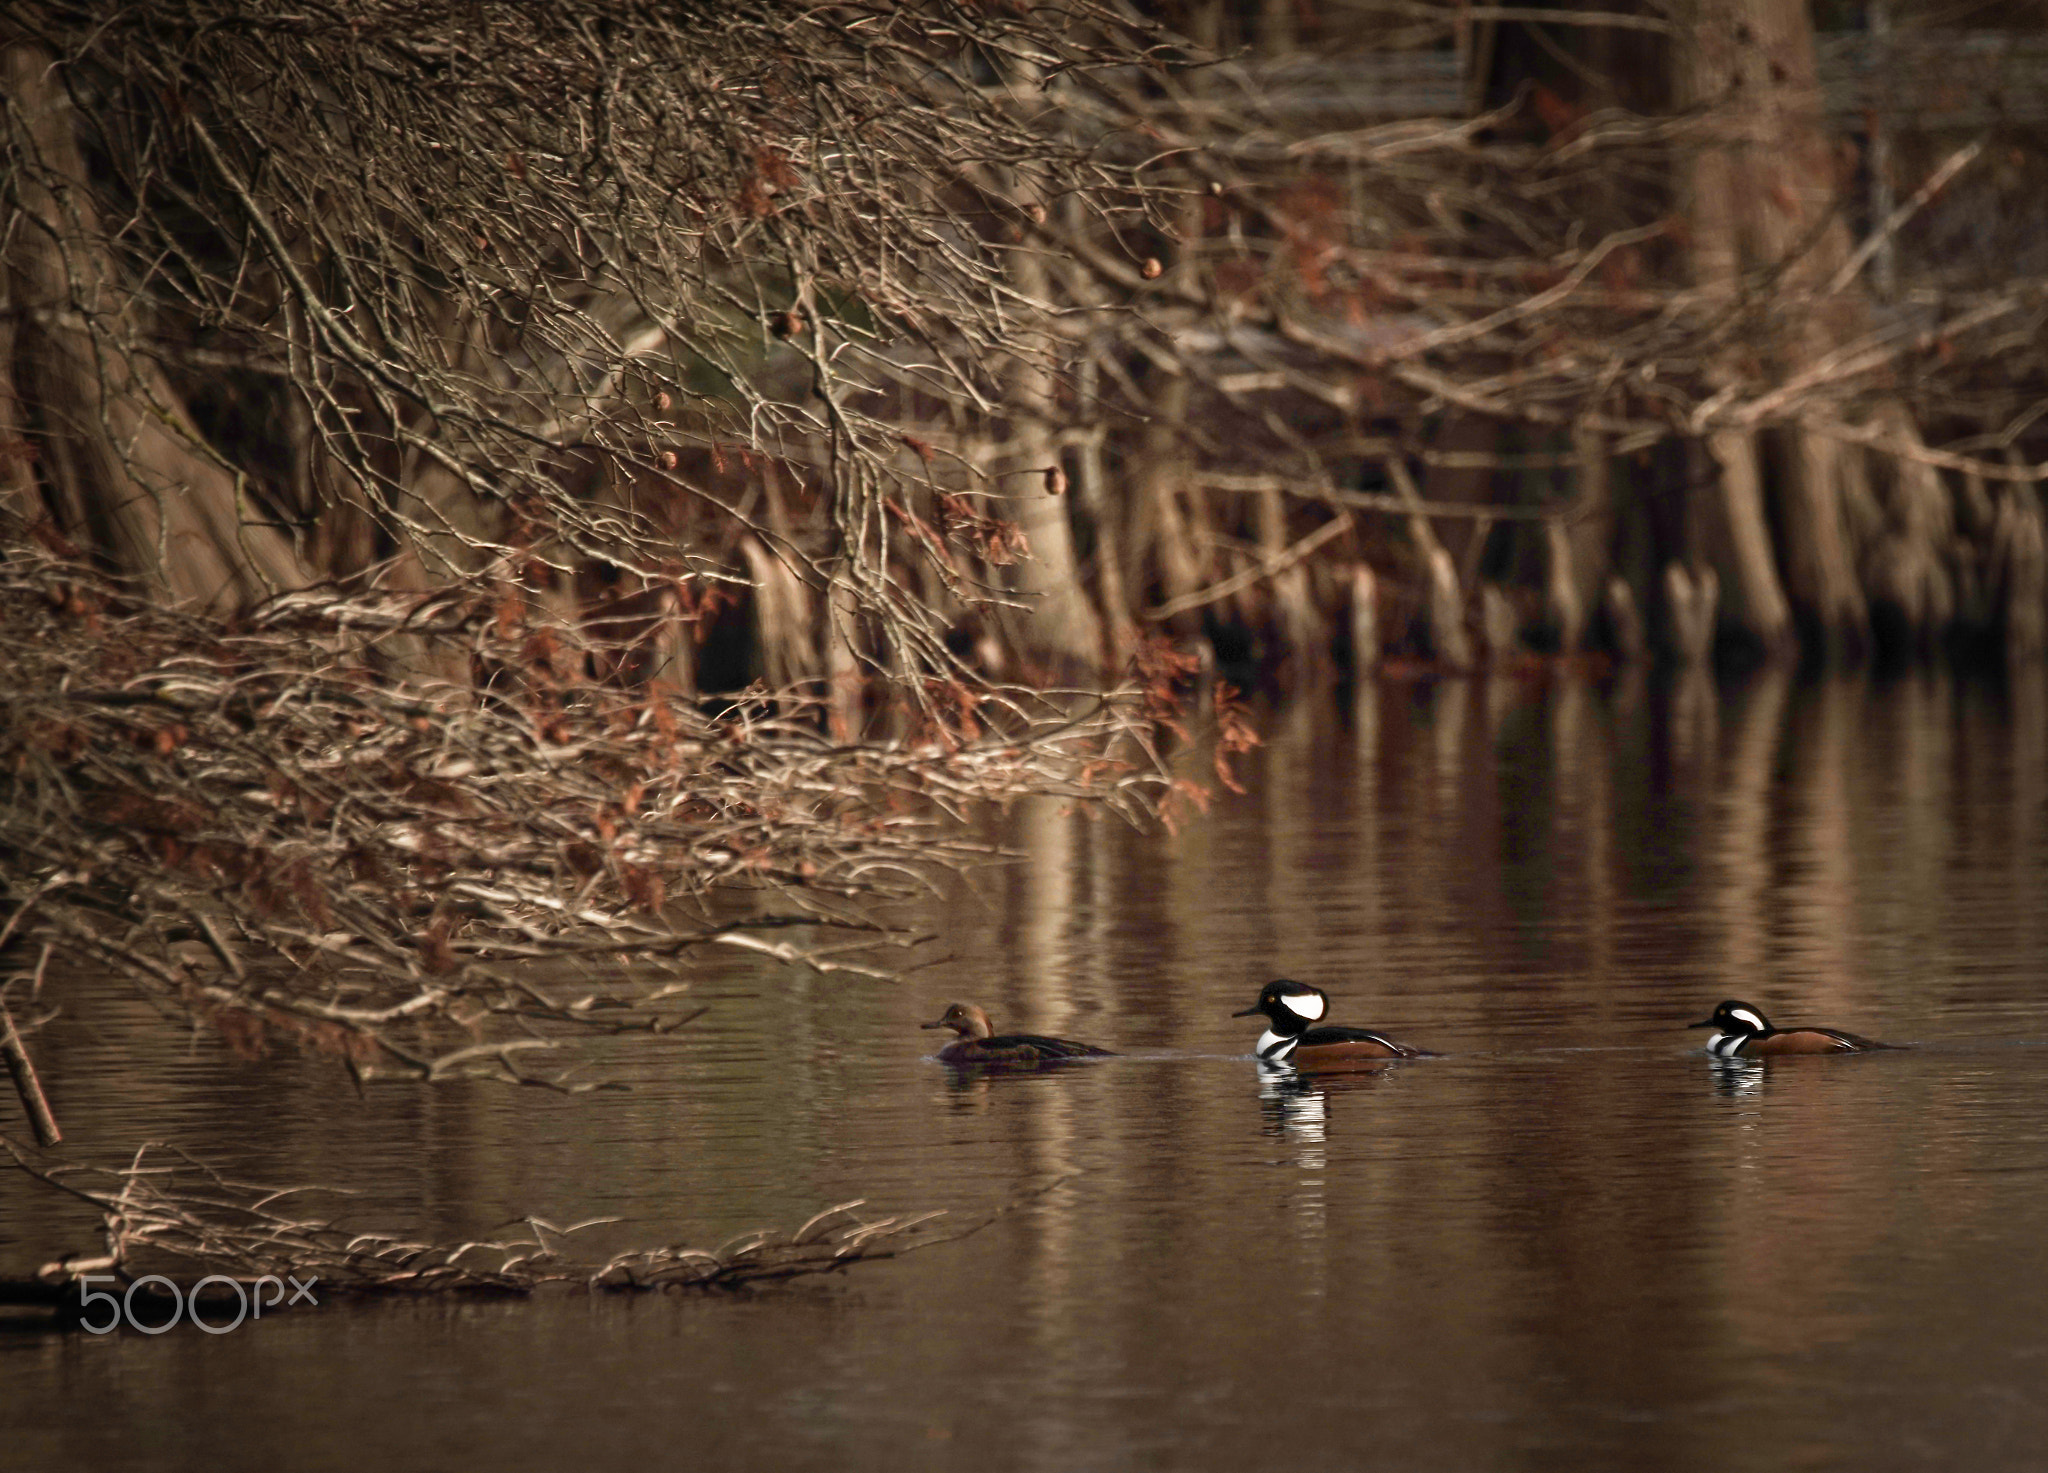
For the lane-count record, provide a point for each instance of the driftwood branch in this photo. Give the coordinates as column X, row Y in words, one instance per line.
column 168, row 1214
column 22, row 1070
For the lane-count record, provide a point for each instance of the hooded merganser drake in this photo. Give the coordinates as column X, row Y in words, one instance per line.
column 979, row 1043
column 1744, row 1030
column 1289, row 1009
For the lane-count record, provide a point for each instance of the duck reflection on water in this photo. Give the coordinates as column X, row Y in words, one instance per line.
column 1296, row 1105
column 1737, row 1077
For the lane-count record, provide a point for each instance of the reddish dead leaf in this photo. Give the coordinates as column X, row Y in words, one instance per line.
column 540, row 649
column 437, row 955
column 304, row 883
column 1622, row 270
column 664, row 719
column 242, row 1031
column 774, row 167
column 1556, row 114
column 643, row 887
column 753, row 200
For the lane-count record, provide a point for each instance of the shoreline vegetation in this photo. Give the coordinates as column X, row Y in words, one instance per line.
column 497, row 504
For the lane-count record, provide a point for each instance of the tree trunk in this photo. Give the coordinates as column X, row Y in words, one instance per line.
column 1820, row 567
column 1163, row 469
column 1500, row 623
column 124, row 469
column 1754, row 606
column 1911, row 589
column 1062, row 629
column 1624, row 621
column 1298, row 629
column 1365, row 622
column 1579, row 554
column 1690, row 602
column 782, row 618
column 18, row 500
column 2019, row 563
column 1092, row 489
column 1448, row 639
column 1763, row 194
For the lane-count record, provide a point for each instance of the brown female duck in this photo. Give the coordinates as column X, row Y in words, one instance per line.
column 979, row 1043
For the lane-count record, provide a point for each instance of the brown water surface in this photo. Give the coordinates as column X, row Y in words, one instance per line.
column 1572, row 1242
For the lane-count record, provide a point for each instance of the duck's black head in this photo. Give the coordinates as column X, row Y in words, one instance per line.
column 1735, row 1017
column 1289, row 1006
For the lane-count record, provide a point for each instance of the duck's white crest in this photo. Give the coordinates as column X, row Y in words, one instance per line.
column 1309, row 1005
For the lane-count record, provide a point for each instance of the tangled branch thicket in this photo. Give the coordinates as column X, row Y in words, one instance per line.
column 398, row 393
column 262, row 834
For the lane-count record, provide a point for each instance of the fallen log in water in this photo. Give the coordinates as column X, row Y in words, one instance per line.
column 180, row 1235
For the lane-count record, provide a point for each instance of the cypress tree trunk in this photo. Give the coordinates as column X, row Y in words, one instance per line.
column 1062, row 629
column 1754, row 605
column 1163, row 468
column 122, row 466
column 1763, row 197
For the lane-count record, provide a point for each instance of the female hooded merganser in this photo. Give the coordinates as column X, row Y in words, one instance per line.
column 979, row 1043
column 1290, row 1007
column 1744, row 1030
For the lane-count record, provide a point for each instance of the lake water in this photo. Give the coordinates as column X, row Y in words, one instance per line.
column 1571, row 1242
